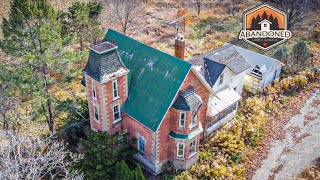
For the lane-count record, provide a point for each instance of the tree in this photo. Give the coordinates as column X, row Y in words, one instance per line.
column 198, row 6
column 281, row 53
column 295, row 10
column 124, row 12
column 123, row 172
column 300, row 52
column 264, row 16
column 183, row 12
column 233, row 6
column 32, row 35
column 101, row 153
column 28, row 158
column 81, row 21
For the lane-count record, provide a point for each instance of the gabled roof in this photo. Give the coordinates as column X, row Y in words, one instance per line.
column 265, row 20
column 254, row 58
column 156, row 78
column 226, row 55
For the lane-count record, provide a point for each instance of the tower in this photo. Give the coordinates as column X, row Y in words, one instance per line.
column 107, row 87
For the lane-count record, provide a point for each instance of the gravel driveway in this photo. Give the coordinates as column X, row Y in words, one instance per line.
column 301, row 146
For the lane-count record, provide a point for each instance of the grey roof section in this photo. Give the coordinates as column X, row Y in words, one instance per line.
column 226, row 55
column 188, row 101
column 100, row 65
column 254, row 58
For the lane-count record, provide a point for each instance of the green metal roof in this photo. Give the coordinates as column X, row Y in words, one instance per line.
column 187, row 136
column 155, row 79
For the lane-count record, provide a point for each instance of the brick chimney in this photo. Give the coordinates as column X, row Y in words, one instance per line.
column 180, row 46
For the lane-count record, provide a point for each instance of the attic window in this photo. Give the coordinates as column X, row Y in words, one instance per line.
column 256, row 71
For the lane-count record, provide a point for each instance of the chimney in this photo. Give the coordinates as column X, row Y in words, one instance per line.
column 180, row 46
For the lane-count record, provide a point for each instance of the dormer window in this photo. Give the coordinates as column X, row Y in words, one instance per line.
column 115, row 89
column 94, row 95
column 221, row 79
column 182, row 120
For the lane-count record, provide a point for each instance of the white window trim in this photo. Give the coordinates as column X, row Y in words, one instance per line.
column 138, row 145
column 185, row 119
column 116, row 120
column 116, row 83
column 94, row 113
column 195, row 148
column 183, row 149
column 93, row 88
column 192, row 124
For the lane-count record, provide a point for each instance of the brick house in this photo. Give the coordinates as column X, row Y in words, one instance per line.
column 157, row 98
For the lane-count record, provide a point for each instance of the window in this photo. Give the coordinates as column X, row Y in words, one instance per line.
column 194, row 120
column 221, row 79
column 96, row 112
column 115, row 89
column 116, row 113
column 192, row 147
column 180, row 150
column 182, row 120
column 235, row 88
column 141, row 144
column 265, row 25
column 93, row 90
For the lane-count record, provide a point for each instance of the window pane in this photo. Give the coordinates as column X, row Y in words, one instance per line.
column 115, row 89
column 141, row 144
column 96, row 113
column 93, row 89
column 116, row 112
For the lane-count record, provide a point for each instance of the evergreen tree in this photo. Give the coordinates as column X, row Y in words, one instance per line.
column 32, row 35
column 258, row 20
column 275, row 24
column 281, row 53
column 81, row 22
column 101, row 154
column 300, row 52
column 264, row 16
column 253, row 24
column 139, row 174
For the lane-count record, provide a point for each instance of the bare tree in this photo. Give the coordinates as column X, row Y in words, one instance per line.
column 125, row 10
column 295, row 10
column 233, row 6
column 198, row 6
column 28, row 158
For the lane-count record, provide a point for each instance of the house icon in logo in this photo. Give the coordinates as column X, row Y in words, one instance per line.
column 265, row 25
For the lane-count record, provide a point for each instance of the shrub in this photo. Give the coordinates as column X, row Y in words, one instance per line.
column 122, row 172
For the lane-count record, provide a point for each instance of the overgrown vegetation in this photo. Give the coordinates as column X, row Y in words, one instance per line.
column 221, row 154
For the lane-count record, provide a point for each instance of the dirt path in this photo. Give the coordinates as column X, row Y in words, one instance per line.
column 301, row 146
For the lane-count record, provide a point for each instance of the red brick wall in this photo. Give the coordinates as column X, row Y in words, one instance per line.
column 105, row 103
column 133, row 128
column 91, row 101
column 171, row 120
column 202, row 91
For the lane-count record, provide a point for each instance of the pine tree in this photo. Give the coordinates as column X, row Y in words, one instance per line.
column 264, row 16
column 275, row 24
column 253, row 24
column 300, row 52
column 258, row 20
column 32, row 35
column 139, row 174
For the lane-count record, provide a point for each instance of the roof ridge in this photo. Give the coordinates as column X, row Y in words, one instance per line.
column 144, row 45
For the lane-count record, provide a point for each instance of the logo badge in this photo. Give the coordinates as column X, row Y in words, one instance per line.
column 265, row 27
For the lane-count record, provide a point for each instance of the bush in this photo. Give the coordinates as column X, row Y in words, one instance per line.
column 101, row 153
column 122, row 172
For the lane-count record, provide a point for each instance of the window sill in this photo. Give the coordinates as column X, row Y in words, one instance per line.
column 180, row 159
column 116, row 98
column 94, row 98
column 97, row 121
column 192, row 154
column 116, row 121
